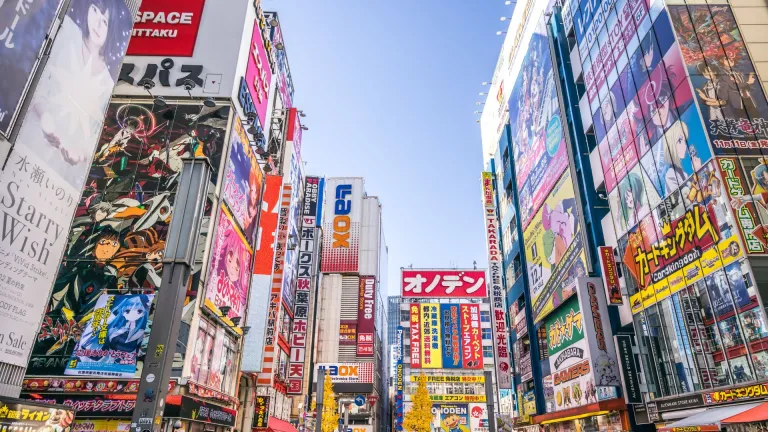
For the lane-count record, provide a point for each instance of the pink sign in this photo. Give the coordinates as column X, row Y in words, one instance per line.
column 258, row 75
column 443, row 283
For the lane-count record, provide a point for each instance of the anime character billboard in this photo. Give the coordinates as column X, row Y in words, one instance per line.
column 243, row 181
column 451, row 417
column 728, row 92
column 112, row 337
column 554, row 249
column 537, row 130
column 229, row 271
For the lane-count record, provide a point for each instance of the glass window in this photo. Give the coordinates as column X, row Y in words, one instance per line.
column 485, row 316
column 488, row 351
column 487, row 334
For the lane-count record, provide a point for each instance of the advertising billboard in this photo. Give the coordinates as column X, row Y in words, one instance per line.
column 166, row 28
column 566, row 344
column 18, row 416
column 348, row 333
column 728, row 93
column 112, row 337
column 597, row 331
column 299, row 341
column 554, row 249
column 366, row 316
column 267, row 234
column 243, row 181
column 229, row 270
column 116, row 240
column 347, row 372
column 415, row 329
column 610, row 275
column 310, row 204
column 748, row 212
column 431, row 341
column 341, row 225
column 443, row 283
column 451, row 417
column 450, row 321
column 471, row 337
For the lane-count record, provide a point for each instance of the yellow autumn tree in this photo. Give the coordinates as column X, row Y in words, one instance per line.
column 419, row 417
column 330, row 407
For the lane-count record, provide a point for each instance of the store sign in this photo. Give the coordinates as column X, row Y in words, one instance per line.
column 204, row 412
column 112, row 406
column 450, row 319
column 674, row 404
column 571, row 387
column 366, row 316
column 753, row 231
column 166, row 28
column 309, row 209
column 300, row 325
column 347, row 372
column 431, row 352
column 21, row 417
column 261, row 413
column 415, row 329
column 738, row 394
column 428, row 283
column 450, row 379
column 629, row 371
column 521, row 325
column 167, row 73
column 597, row 330
column 341, row 227
column 471, row 339
column 565, row 336
column 641, row 414
column 610, row 275
column 348, row 333
column 457, row 398
column 258, row 74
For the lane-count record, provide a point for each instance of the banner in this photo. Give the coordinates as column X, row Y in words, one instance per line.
column 471, row 339
column 229, row 271
column 431, row 352
column 415, row 329
column 597, row 332
column 258, row 73
column 399, row 382
column 16, row 416
column 300, row 326
column 630, row 373
column 265, row 244
column 348, row 333
column 166, row 28
column 451, row 321
column 451, row 417
column 309, row 210
column 243, row 181
column 366, row 316
column 261, row 413
column 554, row 249
column 341, row 225
column 610, row 275
column 439, row 283
column 112, row 337
column 457, row 398
column 751, row 214
column 450, row 379
column 566, row 344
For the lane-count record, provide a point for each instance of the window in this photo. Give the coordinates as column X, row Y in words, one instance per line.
column 488, row 351
column 485, row 316
column 487, row 334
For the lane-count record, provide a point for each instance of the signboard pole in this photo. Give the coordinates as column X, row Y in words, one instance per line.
column 489, row 401
column 319, row 403
column 180, row 253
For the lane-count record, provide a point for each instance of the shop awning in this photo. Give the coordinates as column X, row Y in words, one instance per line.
column 277, row 425
column 756, row 414
column 710, row 419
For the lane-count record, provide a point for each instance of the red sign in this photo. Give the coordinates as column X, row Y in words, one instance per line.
column 348, row 332
column 415, row 329
column 610, row 275
column 265, row 249
column 366, row 316
column 166, row 28
column 443, row 283
column 472, row 344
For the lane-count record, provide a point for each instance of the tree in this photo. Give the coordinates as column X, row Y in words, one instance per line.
column 419, row 417
column 330, row 407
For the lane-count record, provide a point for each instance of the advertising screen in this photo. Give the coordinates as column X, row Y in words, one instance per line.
column 243, row 181
column 443, row 283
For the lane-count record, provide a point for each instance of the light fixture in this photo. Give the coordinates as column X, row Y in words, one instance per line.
column 301, row 113
column 177, row 424
column 273, row 22
column 267, row 168
column 246, row 329
column 189, row 84
column 483, row 94
column 148, row 84
column 499, row 33
column 485, row 83
column 225, row 310
column 504, row 18
column 478, row 112
column 280, row 46
column 252, row 129
column 235, row 320
column 209, row 102
column 479, row 103
column 507, row 2
column 304, row 128
column 160, row 101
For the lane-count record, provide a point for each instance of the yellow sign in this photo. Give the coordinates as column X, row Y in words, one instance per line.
column 431, row 342
column 712, row 260
column 457, row 398
column 450, row 379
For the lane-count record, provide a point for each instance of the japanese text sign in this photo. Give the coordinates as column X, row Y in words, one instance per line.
column 610, row 275
column 471, row 338
column 366, row 316
column 415, row 329
column 166, row 28
column 431, row 353
column 428, row 283
column 451, row 321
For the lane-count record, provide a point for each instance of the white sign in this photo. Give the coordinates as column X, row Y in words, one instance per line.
column 347, row 372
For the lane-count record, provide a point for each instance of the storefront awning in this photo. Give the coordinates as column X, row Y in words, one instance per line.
column 756, row 414
column 710, row 419
column 277, row 425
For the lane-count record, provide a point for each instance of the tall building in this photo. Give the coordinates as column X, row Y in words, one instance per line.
column 623, row 152
column 351, row 315
column 393, row 318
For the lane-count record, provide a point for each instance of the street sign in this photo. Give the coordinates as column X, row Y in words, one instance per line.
column 359, row 400
column 372, row 399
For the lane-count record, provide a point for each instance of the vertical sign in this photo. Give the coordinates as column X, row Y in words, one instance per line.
column 610, row 276
column 399, row 382
column 471, row 339
column 597, row 331
column 450, row 320
column 415, row 330
column 629, row 370
column 311, row 195
column 499, row 312
column 341, row 228
column 366, row 316
column 431, row 356
column 301, row 310
column 261, row 413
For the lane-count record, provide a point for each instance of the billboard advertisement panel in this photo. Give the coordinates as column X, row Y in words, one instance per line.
column 270, row 209
column 229, row 271
column 366, row 316
column 415, row 329
column 451, row 417
column 431, row 342
column 299, row 327
column 443, row 283
column 243, row 181
column 341, row 225
column 750, row 214
column 112, row 337
column 258, row 74
column 597, row 331
column 348, row 333
column 116, row 240
column 166, row 28
column 729, row 95
column 450, row 320
column 554, row 249
column 310, row 205
column 347, row 372
column 471, row 338
column 540, row 152
column 566, row 344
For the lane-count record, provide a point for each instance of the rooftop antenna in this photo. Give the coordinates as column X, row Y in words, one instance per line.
column 474, row 264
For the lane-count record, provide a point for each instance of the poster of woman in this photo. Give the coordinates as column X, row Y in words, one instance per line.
column 229, row 272
column 243, row 182
column 111, row 340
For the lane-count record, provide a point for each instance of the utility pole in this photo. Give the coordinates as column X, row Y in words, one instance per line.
column 319, row 404
column 489, row 393
column 177, row 264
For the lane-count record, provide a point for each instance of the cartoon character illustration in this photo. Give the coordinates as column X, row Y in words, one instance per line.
column 451, row 423
column 560, row 227
column 632, row 202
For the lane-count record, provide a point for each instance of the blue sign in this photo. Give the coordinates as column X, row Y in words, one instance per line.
column 359, row 400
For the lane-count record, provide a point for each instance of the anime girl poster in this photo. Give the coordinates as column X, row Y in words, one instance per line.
column 111, row 340
column 243, row 181
column 229, row 271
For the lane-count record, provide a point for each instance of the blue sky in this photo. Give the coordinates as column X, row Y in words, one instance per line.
column 389, row 88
